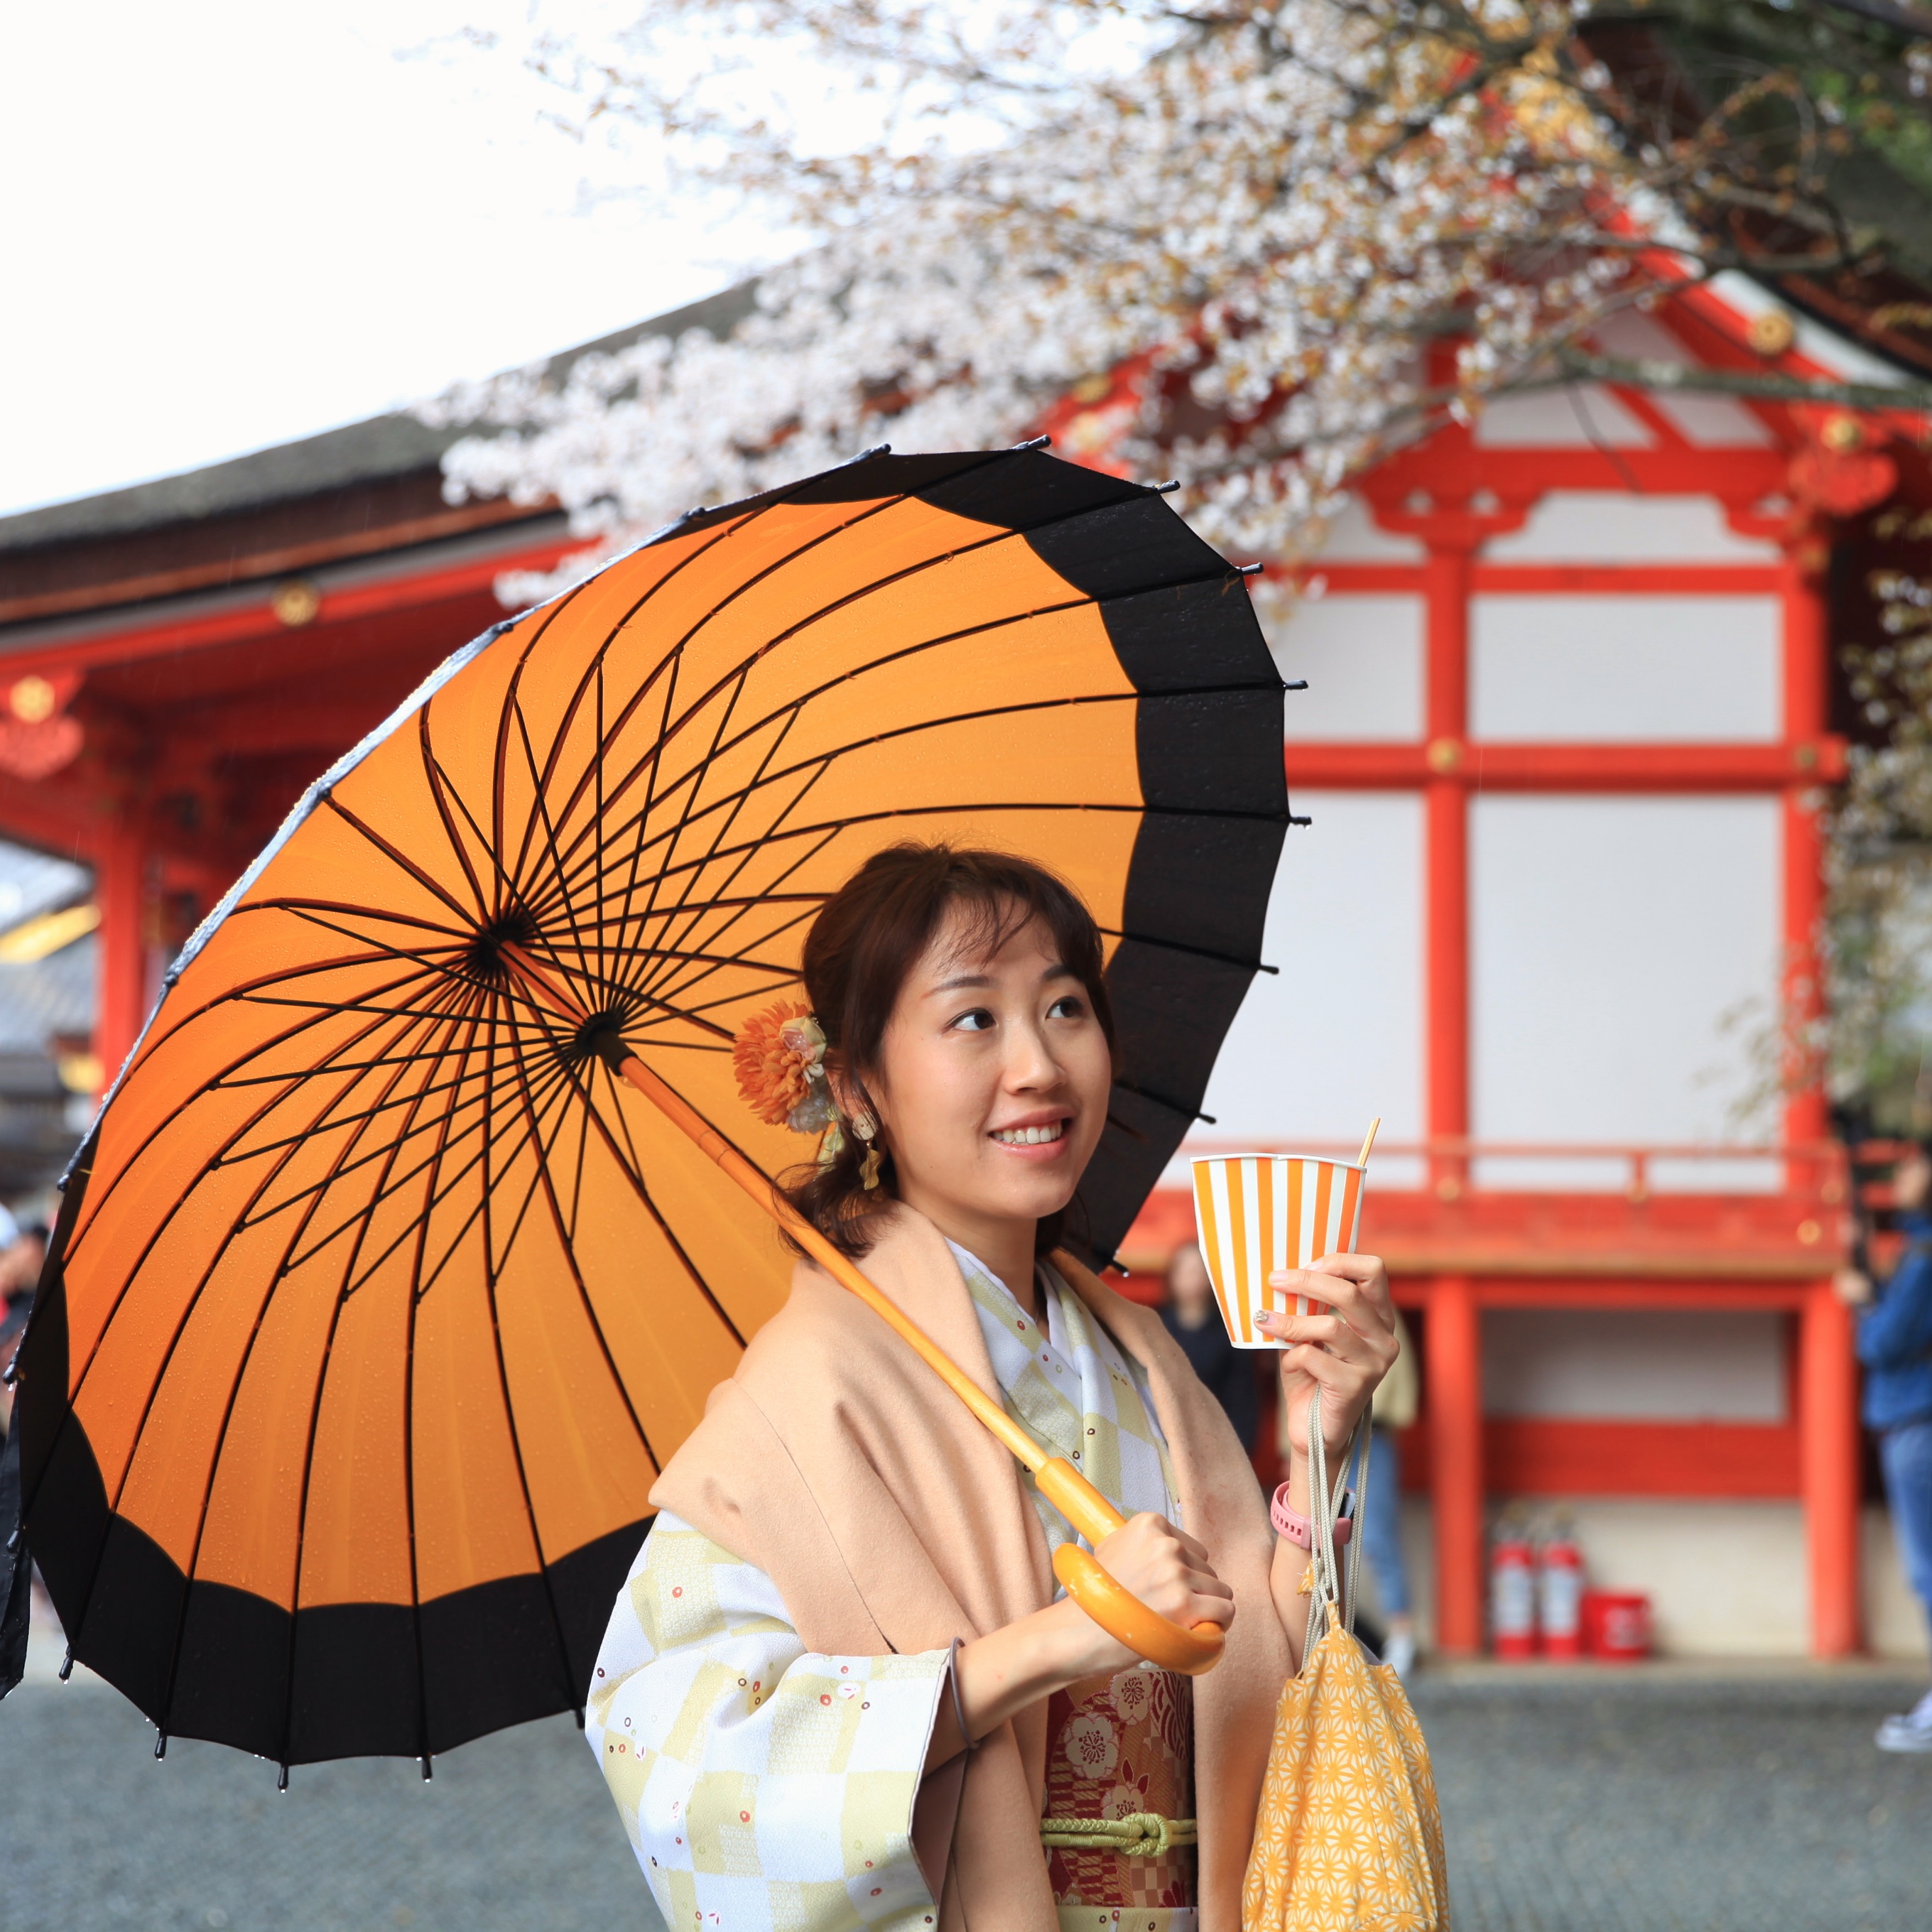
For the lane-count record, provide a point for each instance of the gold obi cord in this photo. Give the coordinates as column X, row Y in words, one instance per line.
column 1140, row 1834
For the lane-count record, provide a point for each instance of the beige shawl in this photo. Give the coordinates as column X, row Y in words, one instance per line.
column 890, row 1520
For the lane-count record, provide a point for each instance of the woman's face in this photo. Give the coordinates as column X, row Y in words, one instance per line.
column 993, row 1081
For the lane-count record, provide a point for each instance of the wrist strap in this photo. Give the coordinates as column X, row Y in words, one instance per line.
column 1296, row 1527
column 958, row 1702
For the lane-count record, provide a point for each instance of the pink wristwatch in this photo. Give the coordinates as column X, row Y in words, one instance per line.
column 1297, row 1527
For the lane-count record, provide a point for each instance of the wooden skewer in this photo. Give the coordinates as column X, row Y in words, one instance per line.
column 1374, row 1128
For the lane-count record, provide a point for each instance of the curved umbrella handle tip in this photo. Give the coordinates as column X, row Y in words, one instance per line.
column 1124, row 1617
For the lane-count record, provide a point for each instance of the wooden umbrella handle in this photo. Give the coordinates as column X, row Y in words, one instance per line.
column 1120, row 1613
column 1116, row 1610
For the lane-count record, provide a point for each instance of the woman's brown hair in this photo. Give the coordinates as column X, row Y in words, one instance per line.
column 868, row 937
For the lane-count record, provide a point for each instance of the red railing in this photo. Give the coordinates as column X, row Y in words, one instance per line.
column 1587, row 1207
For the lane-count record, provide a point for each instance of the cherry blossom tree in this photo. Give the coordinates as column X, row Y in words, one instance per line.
column 1256, row 242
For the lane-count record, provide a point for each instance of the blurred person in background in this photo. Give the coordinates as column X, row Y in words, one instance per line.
column 1894, row 1344
column 1193, row 1320
column 1394, row 1408
column 22, row 1252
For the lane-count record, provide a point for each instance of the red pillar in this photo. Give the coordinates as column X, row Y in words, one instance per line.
column 1453, row 1363
column 1446, row 965
column 120, row 885
column 1828, row 1451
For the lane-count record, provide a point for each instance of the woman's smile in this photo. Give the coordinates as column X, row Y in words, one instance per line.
column 1034, row 1139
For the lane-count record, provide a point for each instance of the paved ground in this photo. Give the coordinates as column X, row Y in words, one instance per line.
column 1669, row 1802
column 1658, row 1802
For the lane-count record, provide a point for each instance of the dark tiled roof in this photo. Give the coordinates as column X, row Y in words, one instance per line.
column 363, row 452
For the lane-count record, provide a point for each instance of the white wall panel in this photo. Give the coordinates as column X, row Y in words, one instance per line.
column 1612, row 526
column 1362, row 657
column 1581, row 416
column 1606, row 670
column 1354, row 537
column 1336, row 1039
column 1610, row 937
column 1634, row 1364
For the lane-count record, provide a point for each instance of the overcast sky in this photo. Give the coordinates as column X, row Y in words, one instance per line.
column 227, row 225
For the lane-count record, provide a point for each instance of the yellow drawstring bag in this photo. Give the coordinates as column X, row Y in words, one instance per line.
column 1347, row 1837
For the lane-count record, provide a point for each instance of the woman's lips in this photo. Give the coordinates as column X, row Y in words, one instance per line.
column 1039, row 1140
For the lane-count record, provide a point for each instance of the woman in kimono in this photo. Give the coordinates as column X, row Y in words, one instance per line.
column 841, row 1688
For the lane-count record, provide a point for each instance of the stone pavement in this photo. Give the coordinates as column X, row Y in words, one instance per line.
column 1645, row 1801
column 1674, row 1800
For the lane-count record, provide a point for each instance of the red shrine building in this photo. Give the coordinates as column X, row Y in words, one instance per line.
column 1569, row 720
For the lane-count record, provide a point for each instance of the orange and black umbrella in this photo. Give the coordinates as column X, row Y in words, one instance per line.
column 381, row 1289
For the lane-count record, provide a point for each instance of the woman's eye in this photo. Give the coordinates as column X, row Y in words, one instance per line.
column 978, row 1020
column 1067, row 1007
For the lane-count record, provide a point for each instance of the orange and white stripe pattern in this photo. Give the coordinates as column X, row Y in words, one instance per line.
column 1257, row 1213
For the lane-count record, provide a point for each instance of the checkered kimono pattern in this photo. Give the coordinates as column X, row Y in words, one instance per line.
column 766, row 1788
column 1077, row 1392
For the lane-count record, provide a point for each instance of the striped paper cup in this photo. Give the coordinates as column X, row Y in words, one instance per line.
column 1258, row 1213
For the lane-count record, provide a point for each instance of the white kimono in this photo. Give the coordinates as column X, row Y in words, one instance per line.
column 768, row 1788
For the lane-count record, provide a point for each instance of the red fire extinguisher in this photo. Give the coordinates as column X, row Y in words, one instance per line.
column 1559, row 1592
column 1512, row 1592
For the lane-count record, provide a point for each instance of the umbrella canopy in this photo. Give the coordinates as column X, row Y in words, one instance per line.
column 376, row 1301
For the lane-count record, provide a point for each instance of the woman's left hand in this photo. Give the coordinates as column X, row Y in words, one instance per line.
column 1345, row 1352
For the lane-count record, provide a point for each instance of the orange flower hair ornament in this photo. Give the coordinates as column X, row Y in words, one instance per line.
column 779, row 1058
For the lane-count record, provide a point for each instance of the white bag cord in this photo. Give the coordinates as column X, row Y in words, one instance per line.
column 1330, row 1596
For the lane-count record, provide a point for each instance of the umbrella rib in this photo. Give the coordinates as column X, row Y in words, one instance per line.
column 509, row 1404
column 650, row 968
column 652, row 755
column 870, row 508
column 634, row 1172
column 155, row 1133
column 376, row 1195
column 282, row 1206
column 436, row 1199
column 565, row 1237
column 411, row 1301
column 685, row 903
column 121, row 1294
column 674, row 654
column 979, row 715
column 1180, row 945
column 433, row 776
column 691, row 794
column 343, row 906
column 540, row 818
column 683, row 987
column 394, row 853
column 528, row 645
column 345, row 1120
column 221, row 1436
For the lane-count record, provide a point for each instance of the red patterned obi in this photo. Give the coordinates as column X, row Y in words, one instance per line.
column 1120, row 1744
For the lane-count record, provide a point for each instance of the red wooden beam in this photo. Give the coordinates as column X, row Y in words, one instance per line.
column 1593, row 580
column 251, row 618
column 1548, row 1455
column 1818, row 760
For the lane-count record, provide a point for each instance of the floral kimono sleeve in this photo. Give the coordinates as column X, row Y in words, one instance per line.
column 765, row 1787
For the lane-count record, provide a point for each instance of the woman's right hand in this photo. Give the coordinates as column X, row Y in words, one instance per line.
column 1167, row 1571
column 1043, row 1652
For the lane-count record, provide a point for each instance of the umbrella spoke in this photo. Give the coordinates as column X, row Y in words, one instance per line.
column 241, row 1059
column 228, row 1408
column 440, row 790
column 509, row 1404
column 566, row 1235
column 314, row 1422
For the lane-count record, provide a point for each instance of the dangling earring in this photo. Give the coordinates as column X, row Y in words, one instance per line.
column 864, row 1126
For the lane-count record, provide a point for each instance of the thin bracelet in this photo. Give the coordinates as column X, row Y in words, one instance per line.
column 958, row 1702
